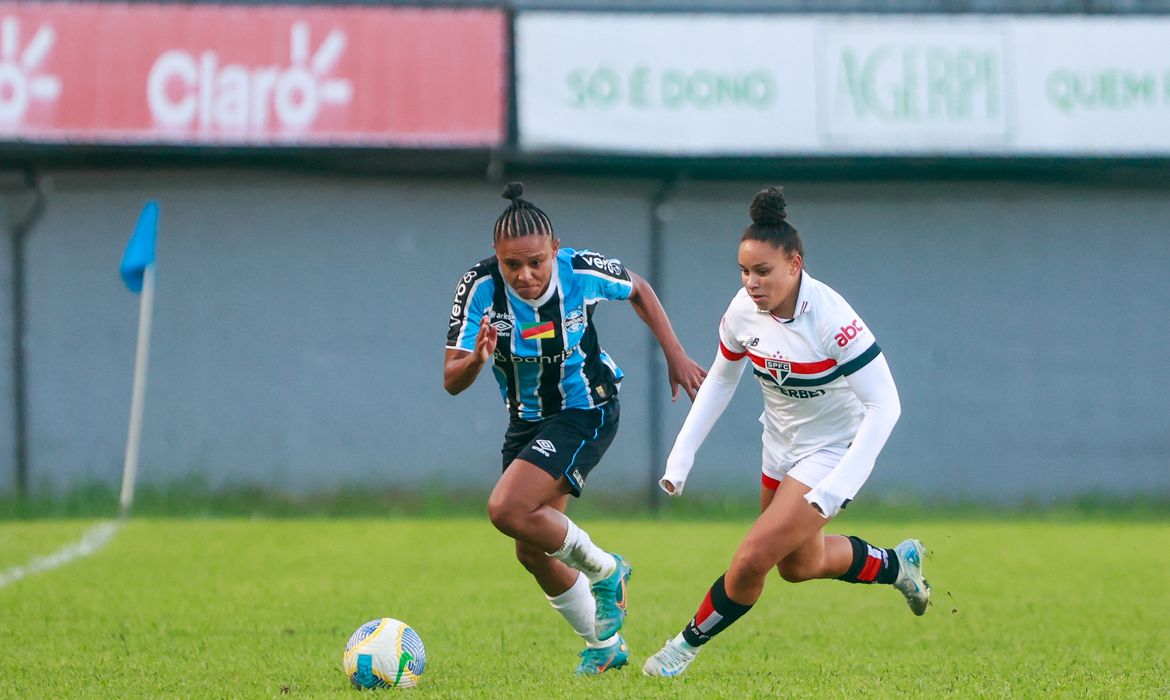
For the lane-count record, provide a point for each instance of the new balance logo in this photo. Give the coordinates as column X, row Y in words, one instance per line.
column 544, row 447
column 849, row 333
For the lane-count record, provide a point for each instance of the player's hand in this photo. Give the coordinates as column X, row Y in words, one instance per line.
column 485, row 340
column 678, row 465
column 668, row 486
column 687, row 374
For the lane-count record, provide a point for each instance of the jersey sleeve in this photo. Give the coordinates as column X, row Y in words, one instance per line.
column 473, row 298
column 729, row 346
column 846, row 337
column 601, row 277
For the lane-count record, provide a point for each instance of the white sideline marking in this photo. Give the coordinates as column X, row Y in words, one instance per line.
column 91, row 541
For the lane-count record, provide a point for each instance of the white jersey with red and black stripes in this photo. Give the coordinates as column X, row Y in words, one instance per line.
column 801, row 363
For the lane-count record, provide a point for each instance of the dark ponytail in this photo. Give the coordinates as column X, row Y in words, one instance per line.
column 769, row 214
column 521, row 218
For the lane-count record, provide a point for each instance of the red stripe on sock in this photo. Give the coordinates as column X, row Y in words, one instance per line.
column 705, row 610
column 870, row 571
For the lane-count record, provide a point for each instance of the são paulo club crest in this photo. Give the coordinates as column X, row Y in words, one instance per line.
column 778, row 369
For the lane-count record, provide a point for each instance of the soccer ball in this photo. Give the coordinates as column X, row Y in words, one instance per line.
column 384, row 653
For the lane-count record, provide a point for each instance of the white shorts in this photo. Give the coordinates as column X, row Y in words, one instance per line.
column 809, row 470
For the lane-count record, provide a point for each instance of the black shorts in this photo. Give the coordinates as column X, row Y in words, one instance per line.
column 567, row 444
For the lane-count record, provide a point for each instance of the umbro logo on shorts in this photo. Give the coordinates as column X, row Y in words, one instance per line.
column 544, row 447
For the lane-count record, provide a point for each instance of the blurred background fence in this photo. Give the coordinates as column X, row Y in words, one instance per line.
column 988, row 190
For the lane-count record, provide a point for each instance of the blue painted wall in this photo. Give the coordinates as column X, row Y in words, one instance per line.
column 300, row 323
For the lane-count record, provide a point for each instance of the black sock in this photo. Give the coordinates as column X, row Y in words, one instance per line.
column 715, row 614
column 870, row 564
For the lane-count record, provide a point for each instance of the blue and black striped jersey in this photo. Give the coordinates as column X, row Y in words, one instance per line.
column 548, row 357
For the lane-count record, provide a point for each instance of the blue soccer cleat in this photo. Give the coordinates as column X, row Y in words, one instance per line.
column 595, row 661
column 610, row 594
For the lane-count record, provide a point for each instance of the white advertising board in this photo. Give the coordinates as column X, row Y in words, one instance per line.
column 695, row 85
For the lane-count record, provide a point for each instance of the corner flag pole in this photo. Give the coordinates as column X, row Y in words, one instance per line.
column 138, row 273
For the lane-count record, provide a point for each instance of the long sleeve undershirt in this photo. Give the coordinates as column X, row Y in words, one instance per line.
column 874, row 387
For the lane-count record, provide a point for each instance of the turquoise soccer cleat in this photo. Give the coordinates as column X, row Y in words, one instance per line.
column 910, row 581
column 610, row 594
column 595, row 661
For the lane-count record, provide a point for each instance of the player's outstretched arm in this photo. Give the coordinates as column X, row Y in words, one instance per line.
column 712, row 400
column 681, row 370
column 460, row 368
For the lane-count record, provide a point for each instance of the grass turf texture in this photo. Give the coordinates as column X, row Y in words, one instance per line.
column 262, row 608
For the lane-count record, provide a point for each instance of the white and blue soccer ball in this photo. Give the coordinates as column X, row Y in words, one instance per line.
column 384, row 653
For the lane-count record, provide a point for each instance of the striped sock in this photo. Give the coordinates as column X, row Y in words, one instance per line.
column 715, row 614
column 870, row 564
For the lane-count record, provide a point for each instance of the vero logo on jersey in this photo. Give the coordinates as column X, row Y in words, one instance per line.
column 849, row 333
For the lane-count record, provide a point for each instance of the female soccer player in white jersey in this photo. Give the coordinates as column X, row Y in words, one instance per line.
column 829, row 405
column 529, row 311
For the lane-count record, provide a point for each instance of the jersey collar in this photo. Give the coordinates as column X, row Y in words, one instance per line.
column 803, row 299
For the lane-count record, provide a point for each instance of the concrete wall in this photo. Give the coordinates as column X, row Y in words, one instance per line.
column 300, row 321
column 1025, row 326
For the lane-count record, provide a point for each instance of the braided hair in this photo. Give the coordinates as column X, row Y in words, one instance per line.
column 521, row 218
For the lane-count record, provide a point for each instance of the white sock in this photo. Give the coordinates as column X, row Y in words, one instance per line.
column 579, row 552
column 683, row 644
column 578, row 608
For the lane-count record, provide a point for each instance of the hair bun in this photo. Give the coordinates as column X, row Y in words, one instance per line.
column 513, row 190
column 768, row 207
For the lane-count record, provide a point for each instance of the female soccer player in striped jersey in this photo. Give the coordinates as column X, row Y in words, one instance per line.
column 829, row 406
column 529, row 311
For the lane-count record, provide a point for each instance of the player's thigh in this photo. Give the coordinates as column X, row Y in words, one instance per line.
column 787, row 524
column 526, row 486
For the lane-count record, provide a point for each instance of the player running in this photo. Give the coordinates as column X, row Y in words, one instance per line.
column 529, row 310
column 829, row 406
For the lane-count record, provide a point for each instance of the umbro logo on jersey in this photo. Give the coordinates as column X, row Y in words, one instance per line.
column 544, row 447
column 502, row 322
column 778, row 369
column 849, row 333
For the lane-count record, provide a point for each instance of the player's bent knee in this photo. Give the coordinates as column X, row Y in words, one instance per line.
column 531, row 558
column 796, row 573
column 504, row 514
column 752, row 561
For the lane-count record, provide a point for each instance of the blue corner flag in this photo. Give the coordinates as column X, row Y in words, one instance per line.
column 140, row 250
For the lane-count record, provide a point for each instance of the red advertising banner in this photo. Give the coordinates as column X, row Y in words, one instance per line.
column 252, row 75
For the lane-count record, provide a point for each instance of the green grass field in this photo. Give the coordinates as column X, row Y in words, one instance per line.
column 262, row 608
